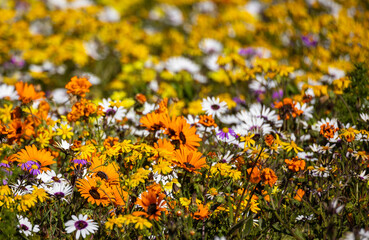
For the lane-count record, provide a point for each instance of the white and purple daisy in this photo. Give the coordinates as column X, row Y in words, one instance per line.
column 61, row 190
column 26, row 227
column 225, row 132
column 80, row 224
column 32, row 166
column 213, row 106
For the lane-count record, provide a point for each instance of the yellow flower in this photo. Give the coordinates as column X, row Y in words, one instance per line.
column 43, row 139
column 248, row 140
column 5, row 113
column 40, row 193
column 292, row 146
column 163, row 167
column 65, row 131
column 142, row 223
column 185, row 202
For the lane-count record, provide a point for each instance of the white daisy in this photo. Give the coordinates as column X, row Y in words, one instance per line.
column 50, row 177
column 364, row 117
column 64, row 145
column 8, row 91
column 307, row 110
column 83, row 226
column 177, row 64
column 60, row 190
column 210, row 46
column 26, row 227
column 266, row 113
column 213, row 106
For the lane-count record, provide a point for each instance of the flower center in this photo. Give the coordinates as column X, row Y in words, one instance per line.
column 151, row 209
column 34, row 166
column 225, row 130
column 94, row 193
column 215, row 107
column 102, row 175
column 55, row 179
column 59, row 195
column 80, row 224
column 24, row 227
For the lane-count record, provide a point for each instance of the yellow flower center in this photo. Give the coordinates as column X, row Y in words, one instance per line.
column 225, row 130
column 322, row 169
column 34, row 166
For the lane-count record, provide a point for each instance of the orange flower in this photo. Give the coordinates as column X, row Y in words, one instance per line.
column 27, row 93
column 95, row 191
column 268, row 176
column 106, row 171
column 328, row 130
column 78, row 86
column 254, row 175
column 120, row 196
column 151, row 121
column 189, row 160
column 110, row 142
column 269, row 140
column 295, row 164
column 287, row 109
column 186, row 135
column 43, row 157
column 153, row 203
column 19, row 129
column 207, row 121
column 140, row 98
column 300, row 193
column 202, row 212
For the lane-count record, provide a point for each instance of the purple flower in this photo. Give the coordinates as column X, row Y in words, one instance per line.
column 80, row 161
column 32, row 166
column 225, row 132
column 309, row 41
column 247, row 51
column 277, row 94
column 238, row 100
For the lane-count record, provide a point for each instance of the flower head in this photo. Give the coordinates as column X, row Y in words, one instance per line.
column 82, row 225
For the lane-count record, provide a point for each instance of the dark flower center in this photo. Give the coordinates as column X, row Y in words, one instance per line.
column 59, row 195
column 182, row 137
column 110, row 112
column 151, row 209
column 215, row 107
column 81, row 224
column 189, row 165
column 24, row 227
column 94, row 193
column 102, row 175
column 19, row 130
column 55, row 179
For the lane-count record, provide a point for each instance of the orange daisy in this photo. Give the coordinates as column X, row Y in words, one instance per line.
column 19, row 129
column 153, row 203
column 27, row 92
column 151, row 121
column 106, row 171
column 202, row 212
column 189, row 160
column 95, row 191
column 78, row 86
column 31, row 153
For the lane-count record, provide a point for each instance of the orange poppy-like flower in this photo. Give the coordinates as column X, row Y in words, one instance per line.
column 106, row 171
column 151, row 121
column 202, row 212
column 163, row 106
column 31, row 153
column 95, row 191
column 140, row 98
column 254, row 176
column 189, row 160
column 19, row 129
column 207, row 121
column 287, row 108
column 300, row 193
column 78, row 86
column 110, row 142
column 27, row 92
column 83, row 108
column 153, row 203
column 295, row 164
column 269, row 140
column 268, row 176
column 328, row 130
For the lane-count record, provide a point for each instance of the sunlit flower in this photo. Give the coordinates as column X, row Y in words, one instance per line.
column 25, row 227
column 213, row 106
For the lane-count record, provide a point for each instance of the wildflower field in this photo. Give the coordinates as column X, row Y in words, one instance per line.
column 184, row 119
